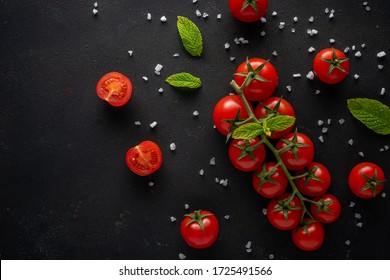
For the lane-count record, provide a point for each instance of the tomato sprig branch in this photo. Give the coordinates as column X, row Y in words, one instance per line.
column 276, row 153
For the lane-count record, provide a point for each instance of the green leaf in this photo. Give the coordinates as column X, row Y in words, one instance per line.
column 280, row 122
column 190, row 36
column 372, row 113
column 248, row 131
column 184, row 80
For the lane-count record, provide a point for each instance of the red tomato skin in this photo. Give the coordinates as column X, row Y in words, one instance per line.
column 356, row 181
column 268, row 189
column 116, row 99
column 248, row 14
column 257, row 90
column 246, row 164
column 314, row 188
column 285, row 108
column 226, row 109
column 305, row 154
column 334, row 208
column 193, row 234
column 311, row 241
column 145, row 158
column 321, row 67
column 277, row 218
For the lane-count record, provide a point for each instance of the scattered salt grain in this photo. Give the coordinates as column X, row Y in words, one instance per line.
column 331, row 15
column 176, row 55
column 151, row 184
column 311, row 19
column 205, row 15
column 227, row 217
column 297, row 75
column 95, row 4
column 163, row 19
column 137, row 123
column 186, row 206
column 130, row 53
column 383, row 91
column 274, row 14
column 310, row 75
column 365, row 3
column 341, row 121
column 274, row 53
column 262, row 33
column 172, row 146
column 95, row 11
column 358, row 54
column 320, row 122
column 292, row 30
column 216, row 180
column 149, row 16
column 198, row 13
column 227, row 46
column 386, row 147
column 158, row 68
column 201, row 172
column 321, row 138
column 263, row 20
column 232, row 58
column 332, row 41
column 160, row 90
column 350, row 142
column 361, row 154
column 153, row 124
column 324, row 130
column 264, row 211
column 329, row 121
column 360, row 224
column 194, row 1
column 311, row 49
column 219, row 16
column 326, row 10
column 381, row 54
column 368, row 8
column 271, row 256
column 295, row 19
column 212, row 161
column 248, row 250
column 248, row 244
column 173, row 219
column 237, row 41
column 380, row 66
column 346, row 49
column 245, row 42
column 358, row 216
column 195, row 113
column 353, row 47
column 288, row 88
column 347, row 242
column 145, row 78
column 281, row 25
column 381, row 150
column 356, row 76
column 363, row 46
column 318, row 91
column 384, row 195
column 182, row 256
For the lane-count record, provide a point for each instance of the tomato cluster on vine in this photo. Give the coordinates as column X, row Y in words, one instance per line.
column 255, row 130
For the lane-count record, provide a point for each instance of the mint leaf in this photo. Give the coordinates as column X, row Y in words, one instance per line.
column 280, row 122
column 190, row 36
column 248, row 131
column 184, row 80
column 372, row 113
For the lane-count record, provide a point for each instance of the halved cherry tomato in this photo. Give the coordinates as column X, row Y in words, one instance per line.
column 269, row 180
column 145, row 158
column 366, row 180
column 329, row 209
column 331, row 66
column 275, row 106
column 316, row 182
column 247, row 155
column 248, row 10
column 199, row 229
column 310, row 236
column 226, row 112
column 115, row 88
column 283, row 215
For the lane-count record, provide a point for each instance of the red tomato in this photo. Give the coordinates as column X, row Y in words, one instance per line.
column 284, row 216
column 247, row 155
column 264, row 78
column 248, row 10
column 199, row 229
column 331, row 66
column 366, row 180
column 310, row 236
column 316, row 182
column 267, row 108
column 144, row 159
column 115, row 88
column 269, row 180
column 226, row 110
column 301, row 151
column 329, row 209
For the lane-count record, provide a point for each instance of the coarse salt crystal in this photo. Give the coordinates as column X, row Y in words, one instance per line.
column 383, row 91
column 358, row 216
column 151, row 184
column 232, row 58
column 195, row 113
column 158, row 67
column 326, row 10
column 182, row 256
column 311, row 19
column 384, row 195
column 320, row 122
column 201, row 172
column 241, row 39
column 186, row 206
column 329, row 121
column 380, row 66
column 360, row 224
column 341, row 121
column 95, row 11
column 386, row 147
column 216, row 180
column 295, row 19
column 264, row 211
column 160, row 90
column 292, row 30
column 205, row 15
column 137, row 123
column 173, row 219
column 381, row 54
column 153, row 124
column 331, row 15
column 324, row 130
column 130, row 53
column 248, row 244
column 274, row 53
column 297, row 75
column 318, row 91
column 361, row 154
column 262, row 33
column 351, row 204
column 353, row 47
column 248, row 250
column 163, row 19
column 157, row 73
column 358, row 54
column 350, row 142
column 245, row 42
column 311, row 49
column 288, row 88
column 332, row 41
column 346, row 49
column 227, row 46
column 219, row 16
column 281, row 25
column 212, row 161
column 172, row 146
column 356, row 76
column 194, row 1
column 271, row 256
column 381, row 150
column 310, row 75
column 145, row 78
column 237, row 41
column 198, row 13
column 149, row 16
column 347, row 242
column 365, row 3
column 227, row 217
column 368, row 8
column 314, row 31
column 274, row 13
column 95, row 4
column 363, row 46
column 321, row 138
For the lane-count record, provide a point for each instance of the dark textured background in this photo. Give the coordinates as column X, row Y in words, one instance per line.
column 66, row 192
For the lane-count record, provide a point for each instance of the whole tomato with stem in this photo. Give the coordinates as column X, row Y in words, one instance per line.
column 314, row 180
column 199, row 229
column 115, row 88
column 247, row 155
column 145, row 158
column 260, row 78
column 296, row 150
column 274, row 106
column 270, row 180
column 328, row 208
column 248, row 10
column 309, row 236
column 331, row 66
column 285, row 212
column 366, row 180
column 227, row 112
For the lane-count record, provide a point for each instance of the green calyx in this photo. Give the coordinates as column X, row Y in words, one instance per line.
column 265, row 176
column 334, row 62
column 247, row 149
column 236, row 122
column 371, row 183
column 252, row 74
column 324, row 206
column 310, row 176
column 285, row 206
column 197, row 217
column 251, row 3
column 292, row 145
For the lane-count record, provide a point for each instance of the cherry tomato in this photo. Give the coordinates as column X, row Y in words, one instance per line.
column 226, row 110
column 248, row 10
column 310, row 236
column 316, row 182
column 264, row 78
column 115, row 88
column 247, row 155
column 366, row 180
column 199, row 229
column 331, row 66
column 329, row 209
column 284, row 216
column 269, row 180
column 301, row 151
column 144, row 159
column 275, row 106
